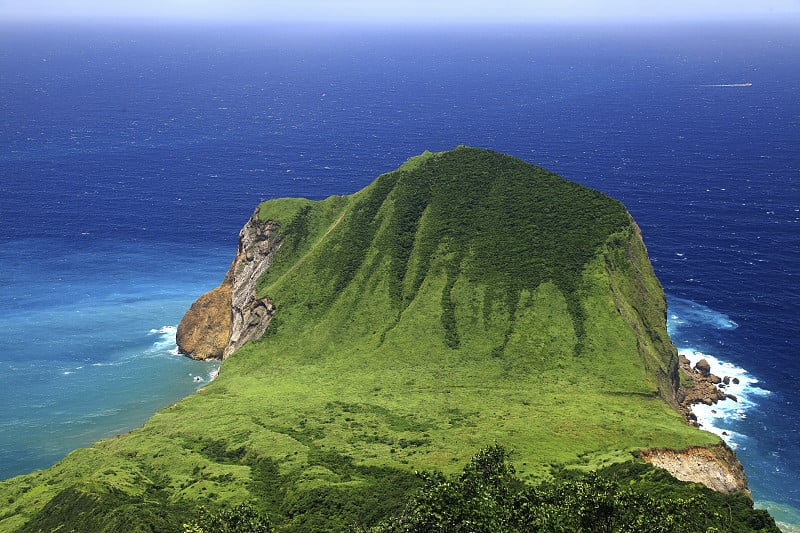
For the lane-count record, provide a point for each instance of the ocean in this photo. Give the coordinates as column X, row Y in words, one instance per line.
column 130, row 156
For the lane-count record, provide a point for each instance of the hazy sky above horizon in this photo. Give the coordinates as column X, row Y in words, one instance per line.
column 401, row 11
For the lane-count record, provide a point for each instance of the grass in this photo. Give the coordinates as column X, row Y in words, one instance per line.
column 465, row 299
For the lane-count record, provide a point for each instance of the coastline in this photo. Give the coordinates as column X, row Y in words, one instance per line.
column 736, row 390
column 726, row 417
column 87, row 351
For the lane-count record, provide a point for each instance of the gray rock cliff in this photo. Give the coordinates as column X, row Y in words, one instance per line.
column 225, row 318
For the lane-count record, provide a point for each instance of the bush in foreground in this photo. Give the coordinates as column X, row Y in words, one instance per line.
column 240, row 519
column 487, row 497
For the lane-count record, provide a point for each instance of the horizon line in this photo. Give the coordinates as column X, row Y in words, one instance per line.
column 297, row 22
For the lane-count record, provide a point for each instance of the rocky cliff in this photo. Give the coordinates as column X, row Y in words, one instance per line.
column 716, row 467
column 225, row 318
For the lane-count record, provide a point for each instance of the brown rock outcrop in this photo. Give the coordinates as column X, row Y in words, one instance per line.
column 206, row 327
column 225, row 318
column 701, row 387
column 703, row 368
column 716, row 467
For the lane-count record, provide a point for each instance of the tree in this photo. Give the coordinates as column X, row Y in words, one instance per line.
column 240, row 519
column 488, row 497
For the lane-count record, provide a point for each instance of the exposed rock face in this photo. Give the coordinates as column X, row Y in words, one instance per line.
column 250, row 314
column 716, row 467
column 227, row 317
column 206, row 327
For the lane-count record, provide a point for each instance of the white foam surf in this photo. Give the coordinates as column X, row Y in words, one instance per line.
column 686, row 312
column 169, row 330
column 211, row 376
column 166, row 341
column 721, row 417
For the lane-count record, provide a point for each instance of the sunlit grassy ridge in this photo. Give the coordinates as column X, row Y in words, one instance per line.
column 465, row 299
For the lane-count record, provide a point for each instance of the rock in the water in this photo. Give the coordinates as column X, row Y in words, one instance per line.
column 701, row 387
column 703, row 368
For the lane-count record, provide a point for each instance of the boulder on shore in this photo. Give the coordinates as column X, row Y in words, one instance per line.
column 703, row 367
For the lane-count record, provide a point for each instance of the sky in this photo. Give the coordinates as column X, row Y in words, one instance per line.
column 401, row 11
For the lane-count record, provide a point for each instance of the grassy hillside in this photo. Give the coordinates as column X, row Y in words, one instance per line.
column 465, row 299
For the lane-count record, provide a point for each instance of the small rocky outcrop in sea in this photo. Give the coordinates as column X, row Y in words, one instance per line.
column 225, row 318
column 703, row 367
column 700, row 386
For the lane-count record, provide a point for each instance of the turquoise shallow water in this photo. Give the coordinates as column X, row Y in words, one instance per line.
column 88, row 349
column 131, row 157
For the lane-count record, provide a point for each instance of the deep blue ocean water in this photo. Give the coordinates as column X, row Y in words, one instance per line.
column 131, row 156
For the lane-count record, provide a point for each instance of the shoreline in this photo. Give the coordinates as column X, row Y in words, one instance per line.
column 722, row 417
column 716, row 391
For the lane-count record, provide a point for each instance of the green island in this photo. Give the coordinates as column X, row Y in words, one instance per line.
column 470, row 343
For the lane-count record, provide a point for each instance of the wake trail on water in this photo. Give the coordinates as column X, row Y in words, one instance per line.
column 727, row 85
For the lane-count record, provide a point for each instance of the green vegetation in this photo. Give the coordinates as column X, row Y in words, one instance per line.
column 240, row 519
column 487, row 497
column 463, row 299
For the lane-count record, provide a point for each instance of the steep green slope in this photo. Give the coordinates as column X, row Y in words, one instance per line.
column 465, row 299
